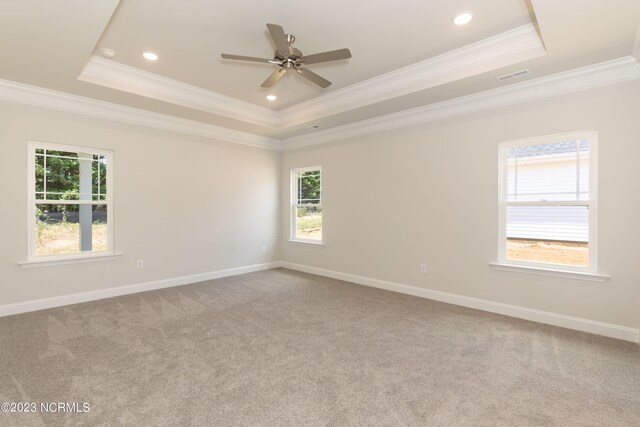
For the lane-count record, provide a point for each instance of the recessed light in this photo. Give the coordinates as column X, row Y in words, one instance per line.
column 462, row 18
column 272, row 97
column 150, row 56
column 108, row 53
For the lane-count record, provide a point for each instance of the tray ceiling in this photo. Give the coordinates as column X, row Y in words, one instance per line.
column 406, row 54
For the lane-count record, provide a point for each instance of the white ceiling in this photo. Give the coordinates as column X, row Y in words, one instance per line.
column 398, row 49
column 382, row 36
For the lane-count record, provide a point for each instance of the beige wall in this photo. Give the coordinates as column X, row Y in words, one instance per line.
column 217, row 208
column 429, row 194
column 636, row 46
column 391, row 201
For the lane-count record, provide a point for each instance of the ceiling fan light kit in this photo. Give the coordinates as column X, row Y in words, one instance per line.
column 289, row 58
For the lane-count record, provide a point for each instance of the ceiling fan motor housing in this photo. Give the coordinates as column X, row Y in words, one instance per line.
column 293, row 54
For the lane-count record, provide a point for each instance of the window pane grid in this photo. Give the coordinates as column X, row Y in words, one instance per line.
column 68, row 194
column 70, row 200
column 55, row 156
column 546, row 202
column 551, row 194
column 549, row 203
column 44, row 174
column 307, row 205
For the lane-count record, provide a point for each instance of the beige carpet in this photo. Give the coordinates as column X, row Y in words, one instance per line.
column 286, row 348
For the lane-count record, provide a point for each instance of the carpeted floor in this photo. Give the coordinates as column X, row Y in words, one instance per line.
column 285, row 348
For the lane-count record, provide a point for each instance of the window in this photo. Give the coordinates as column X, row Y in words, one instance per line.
column 70, row 206
column 548, row 202
column 306, row 210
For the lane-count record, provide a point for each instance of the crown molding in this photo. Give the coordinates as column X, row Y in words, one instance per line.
column 605, row 73
column 118, row 76
column 39, row 97
column 610, row 72
column 508, row 48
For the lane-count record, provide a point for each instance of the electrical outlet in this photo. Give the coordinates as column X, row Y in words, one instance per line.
column 140, row 264
column 264, row 250
column 423, row 268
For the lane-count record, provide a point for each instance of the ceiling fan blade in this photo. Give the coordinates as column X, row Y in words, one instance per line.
column 310, row 75
column 333, row 55
column 280, row 39
column 274, row 77
column 244, row 58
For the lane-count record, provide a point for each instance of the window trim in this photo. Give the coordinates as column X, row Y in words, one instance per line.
column 32, row 258
column 551, row 272
column 294, row 206
column 503, row 203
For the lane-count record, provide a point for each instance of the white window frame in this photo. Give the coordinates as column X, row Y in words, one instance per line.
column 504, row 203
column 295, row 205
column 32, row 201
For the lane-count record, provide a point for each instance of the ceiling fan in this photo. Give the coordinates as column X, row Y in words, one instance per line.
column 289, row 58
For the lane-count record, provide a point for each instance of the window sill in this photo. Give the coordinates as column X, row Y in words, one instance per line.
column 303, row 242
column 577, row 275
column 65, row 261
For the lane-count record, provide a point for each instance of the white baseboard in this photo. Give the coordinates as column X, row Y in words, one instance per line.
column 41, row 304
column 576, row 323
